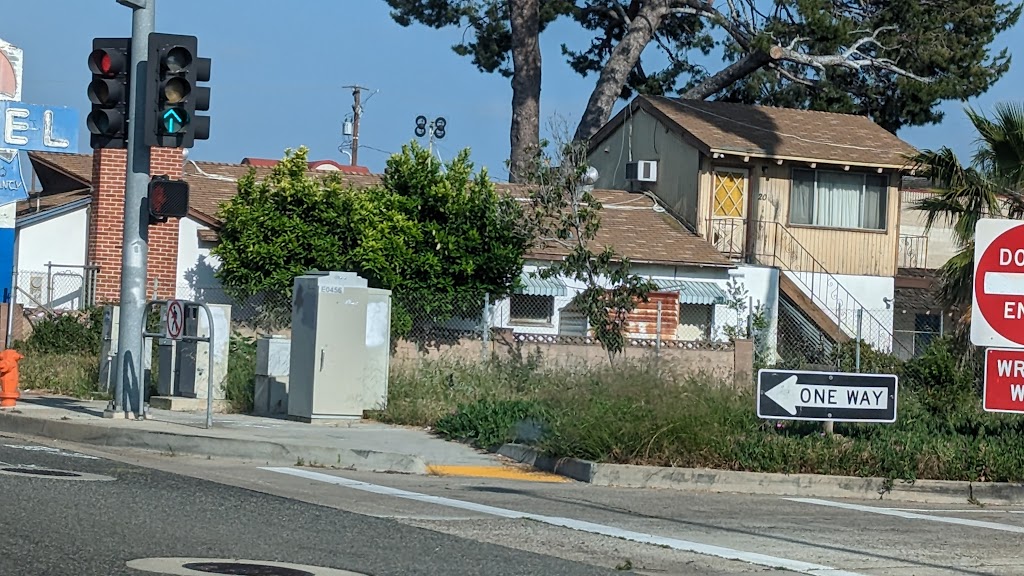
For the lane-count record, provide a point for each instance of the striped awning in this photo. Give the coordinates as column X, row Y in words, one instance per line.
column 537, row 286
column 693, row 291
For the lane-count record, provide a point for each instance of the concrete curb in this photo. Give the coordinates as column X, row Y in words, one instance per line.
column 193, row 444
column 795, row 485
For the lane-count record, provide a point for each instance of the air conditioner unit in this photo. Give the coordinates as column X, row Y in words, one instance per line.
column 642, row 171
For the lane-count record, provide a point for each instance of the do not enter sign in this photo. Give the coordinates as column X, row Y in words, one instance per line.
column 998, row 317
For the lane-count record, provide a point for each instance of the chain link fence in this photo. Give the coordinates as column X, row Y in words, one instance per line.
column 263, row 313
column 818, row 339
column 55, row 288
column 426, row 326
column 552, row 330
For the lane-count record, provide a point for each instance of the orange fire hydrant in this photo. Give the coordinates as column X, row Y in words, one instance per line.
column 9, row 378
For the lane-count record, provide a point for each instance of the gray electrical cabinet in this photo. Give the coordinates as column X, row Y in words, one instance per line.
column 328, row 351
column 378, row 349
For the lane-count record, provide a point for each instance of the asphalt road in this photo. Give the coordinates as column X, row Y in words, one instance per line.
column 90, row 526
column 395, row 524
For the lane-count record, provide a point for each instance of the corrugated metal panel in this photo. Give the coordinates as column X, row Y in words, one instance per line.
column 693, row 292
column 537, row 286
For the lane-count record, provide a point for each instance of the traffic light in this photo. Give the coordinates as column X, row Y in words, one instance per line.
column 167, row 199
column 110, row 64
column 173, row 95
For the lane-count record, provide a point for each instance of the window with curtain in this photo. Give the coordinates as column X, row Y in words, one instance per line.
column 838, row 199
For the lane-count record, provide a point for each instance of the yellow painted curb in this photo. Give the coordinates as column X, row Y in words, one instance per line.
column 500, row 472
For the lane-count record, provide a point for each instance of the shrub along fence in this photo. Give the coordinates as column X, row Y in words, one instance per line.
column 726, row 361
column 644, row 412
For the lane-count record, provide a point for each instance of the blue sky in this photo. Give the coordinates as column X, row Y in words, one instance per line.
column 324, row 45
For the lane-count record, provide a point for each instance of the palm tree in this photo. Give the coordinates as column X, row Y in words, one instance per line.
column 992, row 186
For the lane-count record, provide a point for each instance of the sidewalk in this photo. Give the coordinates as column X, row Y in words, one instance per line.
column 356, row 444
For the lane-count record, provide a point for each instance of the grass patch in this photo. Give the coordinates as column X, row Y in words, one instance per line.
column 68, row 374
column 640, row 413
column 61, row 356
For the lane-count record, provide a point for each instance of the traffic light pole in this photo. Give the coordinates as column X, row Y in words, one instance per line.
column 129, row 391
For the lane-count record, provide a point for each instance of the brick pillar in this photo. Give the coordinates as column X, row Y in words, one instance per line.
column 106, row 224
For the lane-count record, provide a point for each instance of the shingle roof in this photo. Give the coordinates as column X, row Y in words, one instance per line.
column 631, row 223
column 634, row 226
column 43, row 203
column 778, row 133
column 916, row 290
column 326, row 165
column 75, row 172
column 77, row 165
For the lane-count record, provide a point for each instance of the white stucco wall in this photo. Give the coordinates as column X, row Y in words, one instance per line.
column 196, row 266
column 62, row 241
column 762, row 286
column 845, row 294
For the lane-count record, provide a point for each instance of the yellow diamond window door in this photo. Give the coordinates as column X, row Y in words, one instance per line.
column 728, row 210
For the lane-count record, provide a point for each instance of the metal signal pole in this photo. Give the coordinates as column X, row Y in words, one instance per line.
column 128, row 377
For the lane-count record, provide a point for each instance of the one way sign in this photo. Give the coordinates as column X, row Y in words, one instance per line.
column 821, row 396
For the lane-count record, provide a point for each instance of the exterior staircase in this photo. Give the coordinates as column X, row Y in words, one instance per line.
column 805, row 285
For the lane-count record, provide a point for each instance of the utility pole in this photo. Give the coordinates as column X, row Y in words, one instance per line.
column 128, row 366
column 357, row 112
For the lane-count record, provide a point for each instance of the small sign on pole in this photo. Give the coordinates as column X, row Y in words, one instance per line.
column 175, row 319
column 824, row 396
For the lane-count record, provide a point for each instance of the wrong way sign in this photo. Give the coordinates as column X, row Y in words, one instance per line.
column 998, row 313
column 1004, row 380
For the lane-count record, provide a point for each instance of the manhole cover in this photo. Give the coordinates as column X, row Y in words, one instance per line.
column 231, row 567
column 42, row 472
column 236, row 569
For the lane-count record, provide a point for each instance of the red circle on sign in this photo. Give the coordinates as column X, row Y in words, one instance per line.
column 1003, row 312
column 175, row 319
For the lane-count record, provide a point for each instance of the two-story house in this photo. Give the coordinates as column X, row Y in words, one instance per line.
column 813, row 194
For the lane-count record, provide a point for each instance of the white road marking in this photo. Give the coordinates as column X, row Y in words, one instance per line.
column 958, row 511
column 49, row 450
column 913, row 515
column 573, row 524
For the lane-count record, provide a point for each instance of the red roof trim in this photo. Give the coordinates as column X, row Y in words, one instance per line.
column 314, row 165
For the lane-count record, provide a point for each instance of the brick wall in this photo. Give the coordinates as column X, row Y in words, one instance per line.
column 105, row 229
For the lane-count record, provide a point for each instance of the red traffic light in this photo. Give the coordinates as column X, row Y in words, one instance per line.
column 107, row 63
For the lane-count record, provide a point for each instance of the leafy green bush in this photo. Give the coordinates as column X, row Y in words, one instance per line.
column 69, row 333
column 490, row 423
column 240, row 384
column 642, row 413
column 426, row 229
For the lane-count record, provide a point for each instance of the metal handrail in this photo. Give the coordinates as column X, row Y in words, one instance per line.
column 185, row 304
column 849, row 295
column 817, row 268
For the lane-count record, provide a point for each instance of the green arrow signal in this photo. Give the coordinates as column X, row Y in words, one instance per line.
column 174, row 120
